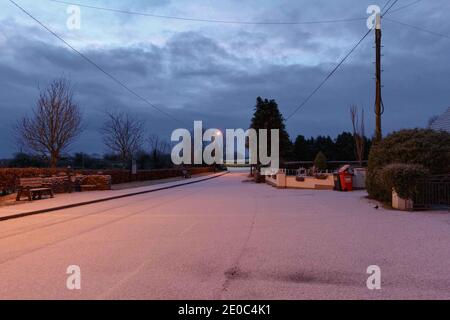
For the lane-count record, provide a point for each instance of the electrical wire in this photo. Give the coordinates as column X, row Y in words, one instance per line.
column 418, row 28
column 145, row 14
column 390, row 7
column 405, row 6
column 321, row 84
column 385, row 5
column 98, row 67
column 328, row 76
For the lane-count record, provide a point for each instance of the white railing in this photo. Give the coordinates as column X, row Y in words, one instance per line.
column 303, row 172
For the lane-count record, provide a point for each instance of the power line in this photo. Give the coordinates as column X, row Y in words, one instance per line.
column 390, row 7
column 328, row 76
column 145, row 14
column 385, row 5
column 96, row 65
column 406, row 6
column 418, row 28
column 305, row 101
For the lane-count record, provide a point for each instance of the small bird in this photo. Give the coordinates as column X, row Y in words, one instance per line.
column 377, row 207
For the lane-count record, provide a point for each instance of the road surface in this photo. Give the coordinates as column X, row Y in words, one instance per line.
column 227, row 239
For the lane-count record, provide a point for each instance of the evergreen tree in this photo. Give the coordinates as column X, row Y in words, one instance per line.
column 345, row 147
column 320, row 162
column 301, row 150
column 325, row 145
column 268, row 116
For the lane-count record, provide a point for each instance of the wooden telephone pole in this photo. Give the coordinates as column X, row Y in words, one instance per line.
column 378, row 99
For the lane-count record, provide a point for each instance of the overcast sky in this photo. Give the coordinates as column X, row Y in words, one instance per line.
column 214, row 72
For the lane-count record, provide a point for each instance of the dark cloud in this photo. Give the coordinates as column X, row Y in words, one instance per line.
column 195, row 75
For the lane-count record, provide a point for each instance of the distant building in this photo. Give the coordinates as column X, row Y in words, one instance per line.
column 442, row 122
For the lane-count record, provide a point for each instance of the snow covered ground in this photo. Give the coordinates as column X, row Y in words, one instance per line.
column 228, row 239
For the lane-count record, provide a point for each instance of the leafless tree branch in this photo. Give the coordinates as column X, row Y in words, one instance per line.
column 358, row 132
column 123, row 135
column 54, row 124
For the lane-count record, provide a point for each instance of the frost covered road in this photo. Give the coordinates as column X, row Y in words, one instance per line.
column 225, row 239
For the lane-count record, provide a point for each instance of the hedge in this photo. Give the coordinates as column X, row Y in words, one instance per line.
column 9, row 176
column 101, row 182
column 403, row 178
column 425, row 147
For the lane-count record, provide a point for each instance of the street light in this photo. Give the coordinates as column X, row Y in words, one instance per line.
column 217, row 134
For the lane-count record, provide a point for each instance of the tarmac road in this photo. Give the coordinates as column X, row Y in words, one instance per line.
column 227, row 239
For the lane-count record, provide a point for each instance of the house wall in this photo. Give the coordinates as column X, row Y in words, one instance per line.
column 442, row 122
column 310, row 183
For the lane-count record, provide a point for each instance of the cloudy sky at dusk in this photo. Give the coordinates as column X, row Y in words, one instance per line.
column 214, row 71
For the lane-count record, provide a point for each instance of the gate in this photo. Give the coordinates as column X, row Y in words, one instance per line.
column 433, row 193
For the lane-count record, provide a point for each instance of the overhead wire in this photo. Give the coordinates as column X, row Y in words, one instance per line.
column 97, row 66
column 389, row 6
column 438, row 34
column 220, row 21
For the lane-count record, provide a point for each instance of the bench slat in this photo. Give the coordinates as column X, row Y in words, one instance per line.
column 31, row 182
column 40, row 189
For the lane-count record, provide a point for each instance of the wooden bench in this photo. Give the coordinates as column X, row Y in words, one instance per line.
column 33, row 188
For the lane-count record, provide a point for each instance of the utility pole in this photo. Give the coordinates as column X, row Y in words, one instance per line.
column 378, row 101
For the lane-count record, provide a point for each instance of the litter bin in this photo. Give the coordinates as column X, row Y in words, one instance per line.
column 337, row 182
column 346, row 178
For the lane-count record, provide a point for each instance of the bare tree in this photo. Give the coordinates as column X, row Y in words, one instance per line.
column 158, row 145
column 123, row 135
column 54, row 124
column 358, row 132
column 158, row 149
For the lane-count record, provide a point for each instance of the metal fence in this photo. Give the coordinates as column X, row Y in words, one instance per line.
column 433, row 193
column 333, row 165
column 302, row 172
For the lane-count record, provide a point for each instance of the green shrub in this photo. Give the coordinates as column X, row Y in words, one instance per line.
column 320, row 162
column 403, row 178
column 425, row 147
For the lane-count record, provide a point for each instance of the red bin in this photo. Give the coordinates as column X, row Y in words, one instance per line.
column 346, row 178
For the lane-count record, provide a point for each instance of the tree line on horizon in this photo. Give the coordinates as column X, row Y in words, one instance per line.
column 56, row 121
column 341, row 148
column 347, row 146
column 47, row 133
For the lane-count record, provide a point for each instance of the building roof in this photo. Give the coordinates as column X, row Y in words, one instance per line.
column 442, row 122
